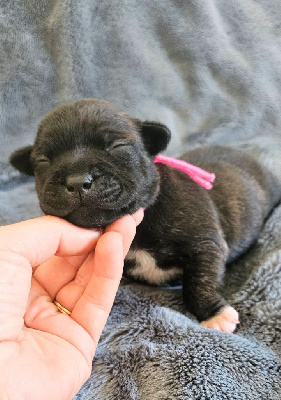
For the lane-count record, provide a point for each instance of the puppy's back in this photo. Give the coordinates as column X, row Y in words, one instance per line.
column 244, row 192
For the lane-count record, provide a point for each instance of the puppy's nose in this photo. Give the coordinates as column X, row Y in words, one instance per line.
column 79, row 183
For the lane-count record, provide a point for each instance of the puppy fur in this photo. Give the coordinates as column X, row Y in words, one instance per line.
column 93, row 164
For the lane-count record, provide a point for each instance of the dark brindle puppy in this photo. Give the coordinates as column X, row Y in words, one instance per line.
column 93, row 164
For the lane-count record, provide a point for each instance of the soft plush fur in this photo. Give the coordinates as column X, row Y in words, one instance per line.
column 93, row 164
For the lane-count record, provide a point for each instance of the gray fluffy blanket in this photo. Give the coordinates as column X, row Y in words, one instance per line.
column 210, row 70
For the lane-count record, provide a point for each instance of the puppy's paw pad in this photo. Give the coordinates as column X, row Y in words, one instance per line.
column 225, row 321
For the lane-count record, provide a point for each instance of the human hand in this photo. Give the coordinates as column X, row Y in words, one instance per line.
column 45, row 354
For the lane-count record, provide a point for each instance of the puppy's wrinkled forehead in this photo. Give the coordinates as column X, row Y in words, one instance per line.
column 85, row 123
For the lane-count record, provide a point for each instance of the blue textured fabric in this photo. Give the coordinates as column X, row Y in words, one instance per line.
column 210, row 70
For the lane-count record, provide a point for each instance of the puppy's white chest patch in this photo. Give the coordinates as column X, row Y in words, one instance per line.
column 146, row 269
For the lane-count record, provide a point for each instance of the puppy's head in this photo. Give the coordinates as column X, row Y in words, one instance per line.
column 92, row 163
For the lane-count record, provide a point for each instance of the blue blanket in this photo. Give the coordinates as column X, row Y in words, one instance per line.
column 211, row 71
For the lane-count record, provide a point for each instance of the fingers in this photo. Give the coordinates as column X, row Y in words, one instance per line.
column 39, row 239
column 73, row 290
column 70, row 293
column 93, row 307
column 91, row 293
column 23, row 246
column 70, row 275
column 57, row 272
column 126, row 228
column 34, row 242
column 43, row 315
column 138, row 216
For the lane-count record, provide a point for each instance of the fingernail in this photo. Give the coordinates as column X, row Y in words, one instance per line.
column 98, row 231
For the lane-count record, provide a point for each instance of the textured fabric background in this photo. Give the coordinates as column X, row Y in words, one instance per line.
column 210, row 70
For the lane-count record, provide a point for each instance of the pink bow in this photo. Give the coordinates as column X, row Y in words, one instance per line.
column 199, row 175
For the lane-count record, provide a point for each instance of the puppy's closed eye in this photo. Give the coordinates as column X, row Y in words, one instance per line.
column 116, row 146
column 42, row 159
column 41, row 162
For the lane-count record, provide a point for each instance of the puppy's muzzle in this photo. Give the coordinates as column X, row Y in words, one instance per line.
column 79, row 184
column 93, row 190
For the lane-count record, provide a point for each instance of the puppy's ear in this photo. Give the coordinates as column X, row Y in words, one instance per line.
column 155, row 136
column 20, row 159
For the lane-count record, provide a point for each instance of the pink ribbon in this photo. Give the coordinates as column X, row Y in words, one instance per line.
column 199, row 175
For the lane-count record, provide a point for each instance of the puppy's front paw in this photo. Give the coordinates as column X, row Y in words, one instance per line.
column 225, row 321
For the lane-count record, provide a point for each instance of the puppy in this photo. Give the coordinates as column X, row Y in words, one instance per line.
column 94, row 164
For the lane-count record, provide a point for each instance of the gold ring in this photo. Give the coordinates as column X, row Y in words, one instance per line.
column 61, row 308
